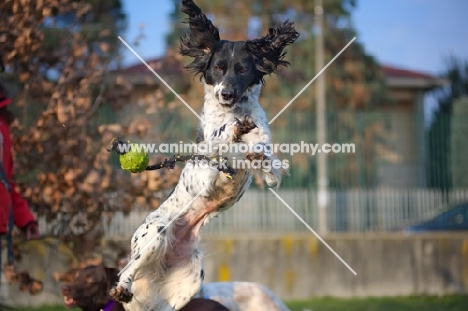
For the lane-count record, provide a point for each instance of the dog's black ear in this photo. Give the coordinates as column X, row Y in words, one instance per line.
column 268, row 51
column 200, row 39
column 111, row 276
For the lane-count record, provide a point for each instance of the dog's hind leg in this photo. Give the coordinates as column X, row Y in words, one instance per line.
column 148, row 243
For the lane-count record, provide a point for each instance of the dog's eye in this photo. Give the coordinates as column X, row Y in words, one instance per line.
column 243, row 70
column 219, row 68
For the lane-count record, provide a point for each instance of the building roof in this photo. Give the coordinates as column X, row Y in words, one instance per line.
column 404, row 78
column 395, row 77
column 169, row 64
column 390, row 71
column 170, row 67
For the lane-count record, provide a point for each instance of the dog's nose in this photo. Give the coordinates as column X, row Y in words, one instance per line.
column 227, row 95
column 65, row 289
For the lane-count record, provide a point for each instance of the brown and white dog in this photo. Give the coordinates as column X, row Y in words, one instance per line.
column 88, row 290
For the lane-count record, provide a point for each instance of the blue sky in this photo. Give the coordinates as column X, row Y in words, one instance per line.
column 413, row 34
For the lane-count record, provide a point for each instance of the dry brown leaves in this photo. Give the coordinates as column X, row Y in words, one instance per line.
column 62, row 156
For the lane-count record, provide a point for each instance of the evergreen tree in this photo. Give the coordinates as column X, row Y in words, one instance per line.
column 439, row 149
column 458, row 145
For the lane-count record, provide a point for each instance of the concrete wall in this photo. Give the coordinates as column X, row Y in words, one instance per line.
column 300, row 266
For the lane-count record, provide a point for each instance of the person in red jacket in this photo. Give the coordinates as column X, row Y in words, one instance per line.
column 23, row 218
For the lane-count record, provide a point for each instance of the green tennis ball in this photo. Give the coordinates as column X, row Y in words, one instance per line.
column 135, row 161
column 132, row 158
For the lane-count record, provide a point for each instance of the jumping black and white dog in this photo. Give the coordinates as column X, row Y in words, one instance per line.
column 233, row 76
column 166, row 267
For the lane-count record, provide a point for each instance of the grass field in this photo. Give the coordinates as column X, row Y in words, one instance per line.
column 414, row 303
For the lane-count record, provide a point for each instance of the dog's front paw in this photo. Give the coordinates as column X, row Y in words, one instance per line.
column 272, row 181
column 243, row 127
column 121, row 294
column 264, row 163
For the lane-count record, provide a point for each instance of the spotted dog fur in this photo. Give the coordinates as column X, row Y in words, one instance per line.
column 170, row 272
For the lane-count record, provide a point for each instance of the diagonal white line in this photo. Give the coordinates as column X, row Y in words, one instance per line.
column 308, row 84
column 313, row 231
column 156, row 236
column 159, row 77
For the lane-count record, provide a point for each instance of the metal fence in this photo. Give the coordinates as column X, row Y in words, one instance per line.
column 400, row 173
column 354, row 210
column 391, row 148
